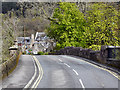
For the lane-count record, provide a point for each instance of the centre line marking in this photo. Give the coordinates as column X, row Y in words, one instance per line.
column 40, row 73
column 82, row 84
column 60, row 60
column 67, row 65
column 75, row 72
column 102, row 68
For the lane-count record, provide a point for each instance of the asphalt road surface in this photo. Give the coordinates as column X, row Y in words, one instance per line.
column 61, row 71
column 21, row 75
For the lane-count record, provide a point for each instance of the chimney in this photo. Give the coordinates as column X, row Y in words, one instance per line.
column 32, row 40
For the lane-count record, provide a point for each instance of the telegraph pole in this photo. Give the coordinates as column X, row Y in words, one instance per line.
column 24, row 40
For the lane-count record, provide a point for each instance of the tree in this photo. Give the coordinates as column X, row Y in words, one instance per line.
column 67, row 26
column 102, row 21
column 8, row 6
column 9, row 32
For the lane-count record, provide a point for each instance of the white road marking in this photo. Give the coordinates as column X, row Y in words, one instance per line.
column 29, row 83
column 40, row 73
column 75, row 72
column 60, row 60
column 102, row 68
column 67, row 65
column 82, row 84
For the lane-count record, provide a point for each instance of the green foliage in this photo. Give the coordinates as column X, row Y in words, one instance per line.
column 95, row 47
column 23, row 53
column 102, row 22
column 40, row 53
column 118, row 54
column 67, row 26
column 91, row 29
column 46, row 53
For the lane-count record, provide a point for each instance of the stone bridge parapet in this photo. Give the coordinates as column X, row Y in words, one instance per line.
column 97, row 56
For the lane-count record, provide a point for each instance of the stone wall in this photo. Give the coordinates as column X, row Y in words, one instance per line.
column 97, row 56
column 8, row 66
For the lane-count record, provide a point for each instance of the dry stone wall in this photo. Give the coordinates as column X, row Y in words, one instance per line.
column 9, row 65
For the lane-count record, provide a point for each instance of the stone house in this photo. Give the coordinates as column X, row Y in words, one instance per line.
column 39, row 43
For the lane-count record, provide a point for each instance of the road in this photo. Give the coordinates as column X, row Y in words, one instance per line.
column 61, row 71
column 21, row 75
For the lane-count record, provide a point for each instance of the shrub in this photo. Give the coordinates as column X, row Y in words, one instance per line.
column 95, row 47
column 23, row 52
column 40, row 53
column 46, row 53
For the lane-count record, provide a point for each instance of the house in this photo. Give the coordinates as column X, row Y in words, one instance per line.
column 39, row 43
column 42, row 43
column 14, row 48
column 24, row 43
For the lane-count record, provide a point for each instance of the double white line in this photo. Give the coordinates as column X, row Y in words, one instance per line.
column 35, row 84
column 40, row 73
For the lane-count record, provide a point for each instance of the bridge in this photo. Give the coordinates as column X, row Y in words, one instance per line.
column 60, row 71
column 71, row 67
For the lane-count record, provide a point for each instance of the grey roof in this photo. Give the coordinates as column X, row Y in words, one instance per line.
column 39, row 42
column 21, row 40
column 41, row 32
